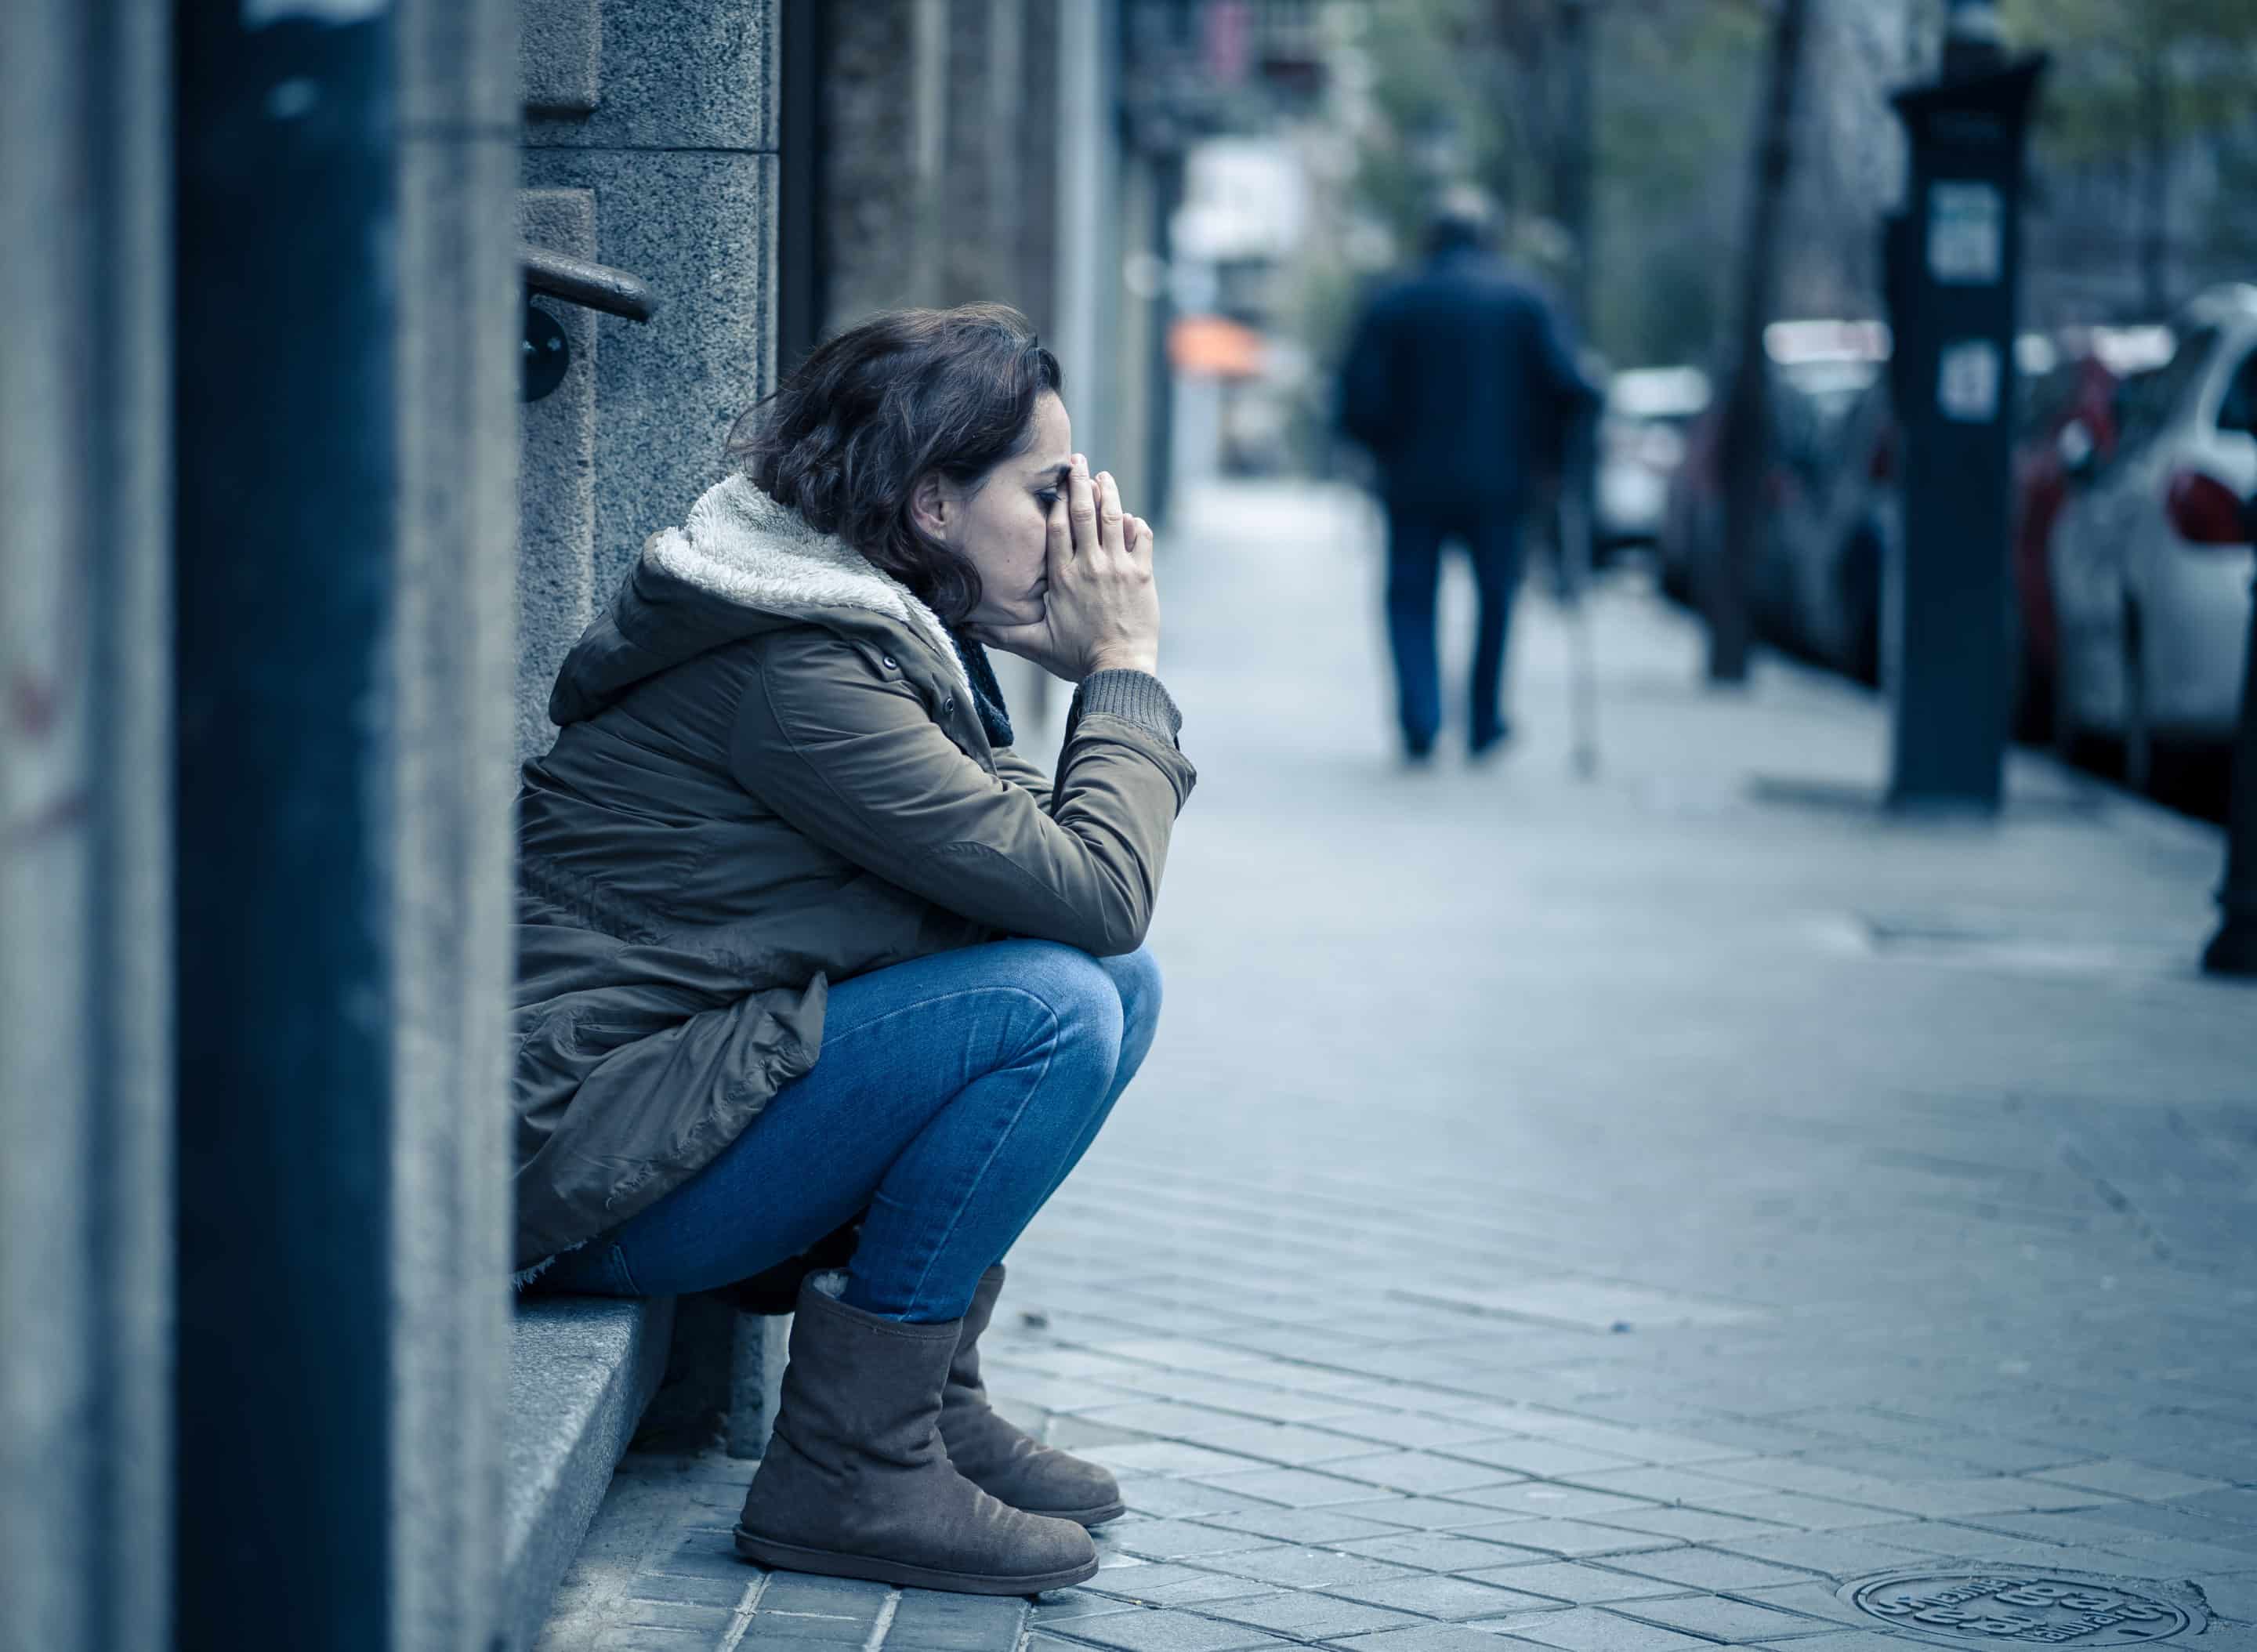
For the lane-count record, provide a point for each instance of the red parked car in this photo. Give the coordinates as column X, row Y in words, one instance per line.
column 2079, row 391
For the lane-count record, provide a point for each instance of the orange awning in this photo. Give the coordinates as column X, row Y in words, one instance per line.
column 1215, row 346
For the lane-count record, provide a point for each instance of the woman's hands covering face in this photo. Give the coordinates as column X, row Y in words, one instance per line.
column 1102, row 609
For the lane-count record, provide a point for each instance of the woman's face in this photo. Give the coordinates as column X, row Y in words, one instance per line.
column 1002, row 524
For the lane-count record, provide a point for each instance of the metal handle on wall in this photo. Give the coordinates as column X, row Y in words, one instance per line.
column 580, row 281
column 546, row 355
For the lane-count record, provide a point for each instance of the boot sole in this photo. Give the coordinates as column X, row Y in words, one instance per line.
column 1096, row 1516
column 833, row 1564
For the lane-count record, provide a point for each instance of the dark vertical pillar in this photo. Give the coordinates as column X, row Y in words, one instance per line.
column 1728, row 599
column 289, row 471
column 1952, row 260
column 802, row 296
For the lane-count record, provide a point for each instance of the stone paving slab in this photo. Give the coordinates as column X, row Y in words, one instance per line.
column 1550, row 1218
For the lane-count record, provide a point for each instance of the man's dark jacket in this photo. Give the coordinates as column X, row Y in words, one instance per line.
column 1459, row 383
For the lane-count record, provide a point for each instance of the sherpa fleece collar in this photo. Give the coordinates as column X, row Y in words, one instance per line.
column 742, row 547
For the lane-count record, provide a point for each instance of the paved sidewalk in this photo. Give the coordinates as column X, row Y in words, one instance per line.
column 1608, row 1215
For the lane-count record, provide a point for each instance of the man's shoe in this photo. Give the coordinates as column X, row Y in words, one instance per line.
column 1003, row 1460
column 1486, row 744
column 856, row 1484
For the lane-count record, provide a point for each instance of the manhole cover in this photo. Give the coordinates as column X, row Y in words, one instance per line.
column 2035, row 1608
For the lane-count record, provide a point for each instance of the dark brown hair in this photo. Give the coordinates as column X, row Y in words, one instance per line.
column 844, row 438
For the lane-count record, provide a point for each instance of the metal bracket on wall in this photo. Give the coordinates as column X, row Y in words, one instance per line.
column 559, row 275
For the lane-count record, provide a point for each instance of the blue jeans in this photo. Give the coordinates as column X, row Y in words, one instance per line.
column 952, row 1096
column 1415, row 534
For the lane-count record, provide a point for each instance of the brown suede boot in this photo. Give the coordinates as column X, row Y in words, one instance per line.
column 856, row 1483
column 1002, row 1460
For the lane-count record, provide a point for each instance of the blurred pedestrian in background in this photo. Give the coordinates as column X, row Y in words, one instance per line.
column 1460, row 381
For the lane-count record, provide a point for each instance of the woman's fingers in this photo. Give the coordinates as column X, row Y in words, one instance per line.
column 1137, row 535
column 1111, row 526
column 1059, row 542
column 1081, row 507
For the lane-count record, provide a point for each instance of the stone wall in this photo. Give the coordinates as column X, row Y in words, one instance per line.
column 939, row 160
column 85, row 883
column 652, row 144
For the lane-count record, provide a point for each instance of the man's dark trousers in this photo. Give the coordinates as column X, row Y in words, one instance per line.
column 1415, row 535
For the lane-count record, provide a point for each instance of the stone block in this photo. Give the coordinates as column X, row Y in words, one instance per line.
column 1427, row 1637
column 1303, row 1525
column 824, row 1597
column 1454, row 1599
column 1182, row 1499
column 1295, row 1488
column 559, row 54
column 2119, row 1476
column 677, row 1614
column 700, row 1589
column 627, row 1637
column 1420, row 1473
column 724, row 1382
column 1435, row 1551
column 1579, row 1540
column 698, row 229
column 1577, row 1585
column 1589, row 1629
column 1729, row 1620
column 557, row 480
column 815, row 1630
column 1296, row 1566
column 1174, row 1538
column 1693, row 1525
column 1190, row 1586
column 1312, row 1617
column 1835, row 1554
column 581, row 1371
column 758, row 1348
column 937, row 1622
column 1166, row 1631
column 1709, row 1569
column 1062, row 1604
column 671, row 77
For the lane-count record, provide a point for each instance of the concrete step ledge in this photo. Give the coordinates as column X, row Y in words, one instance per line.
column 581, row 1369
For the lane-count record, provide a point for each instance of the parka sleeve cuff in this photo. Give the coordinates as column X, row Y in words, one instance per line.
column 1137, row 697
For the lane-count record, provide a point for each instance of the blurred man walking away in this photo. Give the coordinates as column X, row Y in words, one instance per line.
column 1460, row 381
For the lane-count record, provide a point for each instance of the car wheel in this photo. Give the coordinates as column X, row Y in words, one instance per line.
column 1859, row 594
column 2037, row 701
column 2067, row 747
column 2138, row 739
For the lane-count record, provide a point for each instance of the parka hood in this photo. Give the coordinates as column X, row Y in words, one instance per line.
column 740, row 565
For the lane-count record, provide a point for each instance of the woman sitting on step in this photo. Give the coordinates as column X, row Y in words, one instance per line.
column 803, row 943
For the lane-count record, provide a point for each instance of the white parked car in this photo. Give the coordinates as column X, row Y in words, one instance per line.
column 2151, row 557
column 1641, row 444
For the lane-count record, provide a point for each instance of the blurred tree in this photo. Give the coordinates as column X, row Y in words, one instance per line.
column 1728, row 599
column 1648, row 160
column 2135, row 84
column 1675, row 81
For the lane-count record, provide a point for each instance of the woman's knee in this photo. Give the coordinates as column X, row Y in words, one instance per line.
column 1136, row 977
column 1084, row 1005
